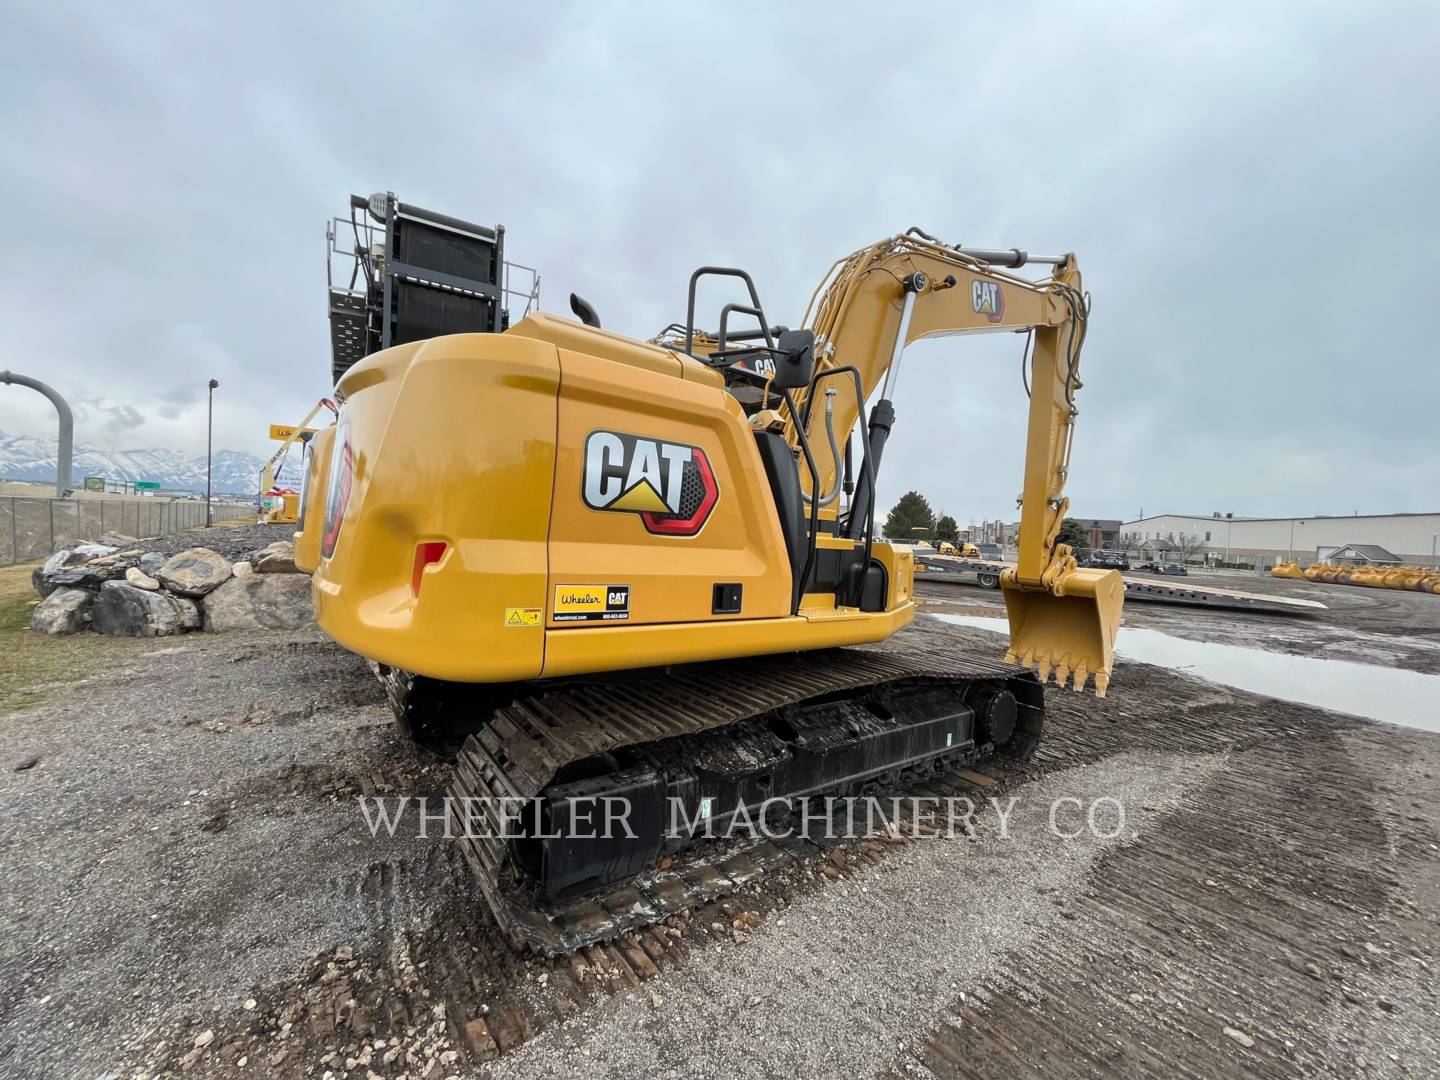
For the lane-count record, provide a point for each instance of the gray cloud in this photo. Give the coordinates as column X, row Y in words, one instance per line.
column 120, row 418
column 1250, row 191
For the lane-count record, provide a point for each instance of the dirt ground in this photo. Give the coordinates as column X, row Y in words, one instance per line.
column 191, row 890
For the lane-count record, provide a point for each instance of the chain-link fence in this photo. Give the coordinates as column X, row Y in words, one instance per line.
column 31, row 528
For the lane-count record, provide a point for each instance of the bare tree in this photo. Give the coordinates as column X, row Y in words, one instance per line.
column 1189, row 544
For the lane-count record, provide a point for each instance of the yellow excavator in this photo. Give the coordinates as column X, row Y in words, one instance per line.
column 595, row 568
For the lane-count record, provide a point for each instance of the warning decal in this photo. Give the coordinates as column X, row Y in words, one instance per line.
column 592, row 603
column 522, row 616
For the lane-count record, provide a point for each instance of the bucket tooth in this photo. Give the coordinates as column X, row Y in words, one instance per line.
column 1044, row 667
column 1081, row 674
column 1102, row 683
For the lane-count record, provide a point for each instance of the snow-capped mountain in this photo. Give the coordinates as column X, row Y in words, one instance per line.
column 24, row 457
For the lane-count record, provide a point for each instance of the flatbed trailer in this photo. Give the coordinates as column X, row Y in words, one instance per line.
column 951, row 570
column 986, row 574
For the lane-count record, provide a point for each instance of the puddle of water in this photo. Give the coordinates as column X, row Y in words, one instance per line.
column 1393, row 695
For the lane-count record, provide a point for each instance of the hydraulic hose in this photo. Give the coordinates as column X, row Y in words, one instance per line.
column 826, row 500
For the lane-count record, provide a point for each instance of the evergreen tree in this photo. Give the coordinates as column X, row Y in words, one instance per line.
column 908, row 516
column 946, row 528
column 1071, row 533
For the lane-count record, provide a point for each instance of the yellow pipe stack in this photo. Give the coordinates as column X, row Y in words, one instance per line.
column 1415, row 578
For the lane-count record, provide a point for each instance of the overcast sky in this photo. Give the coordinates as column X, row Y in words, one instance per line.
column 1251, row 188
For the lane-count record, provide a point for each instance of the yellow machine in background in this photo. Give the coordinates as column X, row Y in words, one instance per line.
column 1414, row 578
column 963, row 551
column 558, row 502
column 281, row 506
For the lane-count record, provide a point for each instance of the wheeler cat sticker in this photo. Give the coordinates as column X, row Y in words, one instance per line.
column 592, row 603
column 669, row 485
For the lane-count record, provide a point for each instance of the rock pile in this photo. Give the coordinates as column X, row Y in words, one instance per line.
column 121, row 589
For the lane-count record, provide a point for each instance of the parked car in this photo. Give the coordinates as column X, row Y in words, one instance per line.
column 1172, row 568
column 991, row 551
column 1108, row 560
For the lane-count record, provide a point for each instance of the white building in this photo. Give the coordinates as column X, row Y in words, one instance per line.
column 1414, row 538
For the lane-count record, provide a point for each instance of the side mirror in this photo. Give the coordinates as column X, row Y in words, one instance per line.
column 794, row 359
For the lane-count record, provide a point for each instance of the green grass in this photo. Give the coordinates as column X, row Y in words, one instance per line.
column 36, row 664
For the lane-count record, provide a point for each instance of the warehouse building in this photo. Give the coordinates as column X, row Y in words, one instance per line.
column 1254, row 541
column 1099, row 532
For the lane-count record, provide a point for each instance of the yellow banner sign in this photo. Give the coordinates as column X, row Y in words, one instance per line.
column 281, row 432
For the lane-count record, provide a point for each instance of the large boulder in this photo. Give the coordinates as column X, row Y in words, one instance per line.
column 276, row 558
column 109, row 567
column 194, row 572
column 117, row 540
column 64, row 611
column 43, row 587
column 122, row 610
column 152, row 561
column 261, row 602
column 84, row 566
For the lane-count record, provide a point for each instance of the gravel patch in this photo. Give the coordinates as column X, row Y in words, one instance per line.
column 853, row 973
column 164, row 850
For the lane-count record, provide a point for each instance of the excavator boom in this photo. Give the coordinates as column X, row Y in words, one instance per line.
column 1063, row 618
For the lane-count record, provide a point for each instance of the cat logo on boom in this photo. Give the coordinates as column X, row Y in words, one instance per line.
column 988, row 299
column 669, row 485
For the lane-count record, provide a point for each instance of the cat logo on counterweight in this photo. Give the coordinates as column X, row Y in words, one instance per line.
column 669, row 485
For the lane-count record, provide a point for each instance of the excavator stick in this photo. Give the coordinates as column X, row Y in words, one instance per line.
column 1067, row 629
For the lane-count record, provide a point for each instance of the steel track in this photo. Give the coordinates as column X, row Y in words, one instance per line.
column 522, row 747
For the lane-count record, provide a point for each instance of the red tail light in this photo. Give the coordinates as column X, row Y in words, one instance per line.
column 431, row 551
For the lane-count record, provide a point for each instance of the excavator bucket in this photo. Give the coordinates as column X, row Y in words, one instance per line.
column 1069, row 629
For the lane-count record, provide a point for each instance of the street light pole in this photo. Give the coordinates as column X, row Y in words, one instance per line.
column 209, row 447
